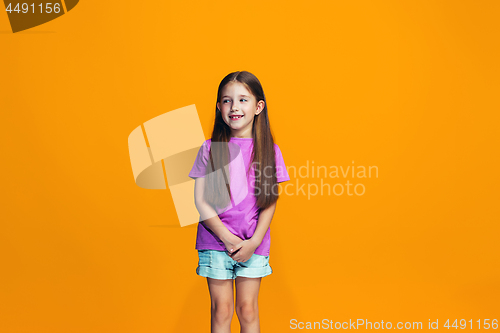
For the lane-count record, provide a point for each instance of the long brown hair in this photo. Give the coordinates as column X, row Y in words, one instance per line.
column 217, row 190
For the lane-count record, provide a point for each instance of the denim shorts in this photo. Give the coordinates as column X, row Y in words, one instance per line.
column 219, row 265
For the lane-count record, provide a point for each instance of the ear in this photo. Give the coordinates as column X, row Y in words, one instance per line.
column 260, row 107
column 218, row 106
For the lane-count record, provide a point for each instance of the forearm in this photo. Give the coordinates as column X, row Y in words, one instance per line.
column 212, row 220
column 265, row 218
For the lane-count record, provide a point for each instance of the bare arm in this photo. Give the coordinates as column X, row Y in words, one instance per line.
column 210, row 217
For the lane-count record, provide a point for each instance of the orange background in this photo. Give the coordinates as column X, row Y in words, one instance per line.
column 410, row 87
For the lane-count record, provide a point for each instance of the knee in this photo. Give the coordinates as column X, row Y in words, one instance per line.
column 222, row 312
column 247, row 312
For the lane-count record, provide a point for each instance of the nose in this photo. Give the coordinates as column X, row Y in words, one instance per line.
column 235, row 106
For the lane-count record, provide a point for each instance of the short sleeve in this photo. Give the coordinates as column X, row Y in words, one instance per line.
column 200, row 163
column 281, row 172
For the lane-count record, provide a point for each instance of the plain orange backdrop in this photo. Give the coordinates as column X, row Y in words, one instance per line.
column 410, row 87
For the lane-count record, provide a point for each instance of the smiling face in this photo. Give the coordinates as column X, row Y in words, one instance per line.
column 238, row 108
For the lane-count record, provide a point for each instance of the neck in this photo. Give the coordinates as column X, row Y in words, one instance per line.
column 242, row 135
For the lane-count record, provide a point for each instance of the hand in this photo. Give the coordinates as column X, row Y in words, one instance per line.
column 230, row 241
column 244, row 250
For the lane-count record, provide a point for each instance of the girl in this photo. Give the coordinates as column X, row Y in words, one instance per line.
column 236, row 195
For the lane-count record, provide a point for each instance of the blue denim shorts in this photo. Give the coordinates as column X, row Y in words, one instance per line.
column 219, row 265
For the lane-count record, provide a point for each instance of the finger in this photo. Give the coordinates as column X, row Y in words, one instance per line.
column 236, row 247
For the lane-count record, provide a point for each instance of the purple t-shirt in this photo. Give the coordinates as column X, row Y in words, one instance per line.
column 242, row 214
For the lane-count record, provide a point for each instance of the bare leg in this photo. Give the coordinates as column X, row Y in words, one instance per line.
column 247, row 309
column 222, row 299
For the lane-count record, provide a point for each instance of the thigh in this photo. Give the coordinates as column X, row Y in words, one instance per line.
column 256, row 267
column 215, row 265
column 247, row 290
column 221, row 291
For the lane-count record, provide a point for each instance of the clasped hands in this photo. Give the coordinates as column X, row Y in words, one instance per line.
column 238, row 249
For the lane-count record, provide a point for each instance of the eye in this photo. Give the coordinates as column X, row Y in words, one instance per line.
column 243, row 99
column 225, row 100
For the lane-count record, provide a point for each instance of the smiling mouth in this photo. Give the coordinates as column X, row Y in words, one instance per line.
column 236, row 117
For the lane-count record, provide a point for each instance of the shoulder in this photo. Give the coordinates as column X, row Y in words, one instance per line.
column 204, row 150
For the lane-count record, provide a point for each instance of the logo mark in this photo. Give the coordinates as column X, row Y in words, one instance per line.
column 162, row 152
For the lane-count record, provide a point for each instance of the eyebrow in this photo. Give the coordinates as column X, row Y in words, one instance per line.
column 240, row 96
